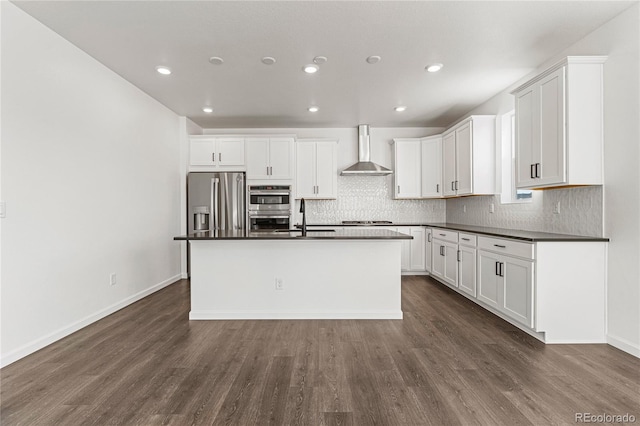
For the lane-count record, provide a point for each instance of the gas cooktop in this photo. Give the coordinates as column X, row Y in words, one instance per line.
column 366, row 222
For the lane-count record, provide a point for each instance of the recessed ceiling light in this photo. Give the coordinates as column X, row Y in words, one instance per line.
column 434, row 67
column 400, row 108
column 216, row 60
column 268, row 60
column 310, row 68
column 313, row 109
column 163, row 70
column 374, row 59
column 320, row 59
column 207, row 109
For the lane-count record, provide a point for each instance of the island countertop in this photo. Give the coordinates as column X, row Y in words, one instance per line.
column 312, row 234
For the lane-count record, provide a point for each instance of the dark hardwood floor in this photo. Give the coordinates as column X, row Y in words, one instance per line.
column 448, row 362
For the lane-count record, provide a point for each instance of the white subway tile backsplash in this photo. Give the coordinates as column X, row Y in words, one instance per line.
column 580, row 212
column 369, row 198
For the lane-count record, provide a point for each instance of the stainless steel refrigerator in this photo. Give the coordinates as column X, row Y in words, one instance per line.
column 215, row 201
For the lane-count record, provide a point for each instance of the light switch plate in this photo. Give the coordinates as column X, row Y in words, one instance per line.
column 492, row 208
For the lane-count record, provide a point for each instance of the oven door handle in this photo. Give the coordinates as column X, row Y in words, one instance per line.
column 268, row 216
column 268, row 193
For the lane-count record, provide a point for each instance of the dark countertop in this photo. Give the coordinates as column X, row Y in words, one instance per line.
column 516, row 234
column 346, row 234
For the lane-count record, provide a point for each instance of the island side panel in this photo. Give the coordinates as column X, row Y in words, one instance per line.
column 337, row 279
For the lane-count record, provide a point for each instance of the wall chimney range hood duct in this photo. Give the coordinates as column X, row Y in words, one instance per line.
column 364, row 166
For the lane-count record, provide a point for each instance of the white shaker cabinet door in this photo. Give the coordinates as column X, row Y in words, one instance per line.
column 449, row 164
column 202, row 152
column 326, row 170
column 281, row 158
column 432, row 167
column 467, row 270
column 551, row 151
column 230, row 151
column 407, row 175
column 518, row 292
column 464, row 159
column 257, row 158
column 489, row 280
column 417, row 249
column 527, row 132
column 306, row 170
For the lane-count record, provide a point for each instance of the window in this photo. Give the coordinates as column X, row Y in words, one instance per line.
column 509, row 193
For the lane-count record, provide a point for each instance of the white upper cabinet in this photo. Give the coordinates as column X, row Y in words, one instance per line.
column 431, row 186
column 270, row 158
column 215, row 152
column 407, row 168
column 316, row 169
column 468, row 160
column 559, row 125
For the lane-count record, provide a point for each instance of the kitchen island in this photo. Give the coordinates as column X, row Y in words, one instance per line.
column 345, row 274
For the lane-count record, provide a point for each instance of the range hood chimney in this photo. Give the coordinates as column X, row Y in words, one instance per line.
column 364, row 166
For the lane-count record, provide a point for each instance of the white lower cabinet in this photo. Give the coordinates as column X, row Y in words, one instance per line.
column 542, row 287
column 505, row 283
column 444, row 264
column 467, row 269
column 428, row 236
column 413, row 251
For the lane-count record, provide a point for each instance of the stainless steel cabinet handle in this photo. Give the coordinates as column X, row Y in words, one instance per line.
column 429, row 237
column 213, row 157
column 458, row 255
column 532, row 171
column 498, row 245
column 456, row 185
column 498, row 268
column 501, row 269
column 398, row 189
column 441, row 250
column 443, row 235
column 452, row 187
column 271, row 170
column 537, row 170
column 220, row 157
column 438, row 188
column 465, row 239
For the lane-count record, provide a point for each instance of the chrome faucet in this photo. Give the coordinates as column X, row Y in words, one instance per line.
column 304, row 218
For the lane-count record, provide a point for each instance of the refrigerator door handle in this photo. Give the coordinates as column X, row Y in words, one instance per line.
column 215, row 188
column 241, row 213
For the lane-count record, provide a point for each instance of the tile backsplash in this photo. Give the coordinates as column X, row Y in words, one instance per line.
column 370, row 198
column 580, row 212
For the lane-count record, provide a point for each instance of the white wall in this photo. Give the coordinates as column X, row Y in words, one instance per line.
column 90, row 175
column 620, row 40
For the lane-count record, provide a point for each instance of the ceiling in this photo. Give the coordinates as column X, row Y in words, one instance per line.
column 484, row 46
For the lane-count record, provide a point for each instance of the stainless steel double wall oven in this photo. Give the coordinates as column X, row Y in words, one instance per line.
column 269, row 207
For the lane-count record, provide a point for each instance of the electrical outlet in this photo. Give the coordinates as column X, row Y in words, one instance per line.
column 492, row 208
column 112, row 278
column 464, row 208
column 556, row 208
column 279, row 284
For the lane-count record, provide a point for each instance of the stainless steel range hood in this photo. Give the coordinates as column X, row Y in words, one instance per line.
column 364, row 166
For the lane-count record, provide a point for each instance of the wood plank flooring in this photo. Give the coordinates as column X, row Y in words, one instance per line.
column 448, row 362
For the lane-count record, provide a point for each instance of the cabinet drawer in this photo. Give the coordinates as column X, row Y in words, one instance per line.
column 508, row 247
column 468, row 239
column 442, row 234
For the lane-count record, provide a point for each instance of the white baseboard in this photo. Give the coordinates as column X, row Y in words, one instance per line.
column 50, row 338
column 624, row 345
column 260, row 315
